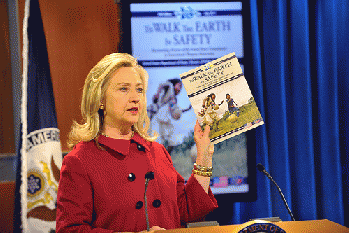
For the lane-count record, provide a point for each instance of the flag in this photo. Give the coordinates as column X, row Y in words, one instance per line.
column 40, row 153
column 220, row 182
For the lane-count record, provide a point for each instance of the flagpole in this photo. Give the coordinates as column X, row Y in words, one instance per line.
column 24, row 120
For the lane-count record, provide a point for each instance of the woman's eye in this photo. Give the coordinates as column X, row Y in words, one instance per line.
column 140, row 90
column 123, row 88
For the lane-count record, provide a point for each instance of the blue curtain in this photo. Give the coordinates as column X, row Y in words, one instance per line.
column 300, row 61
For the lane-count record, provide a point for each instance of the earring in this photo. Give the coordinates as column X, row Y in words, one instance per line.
column 101, row 107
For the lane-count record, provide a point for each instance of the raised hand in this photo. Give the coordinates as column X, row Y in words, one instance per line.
column 204, row 146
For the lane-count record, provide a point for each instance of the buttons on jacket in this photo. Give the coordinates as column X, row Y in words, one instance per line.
column 131, row 177
column 140, row 147
column 139, row 205
column 156, row 203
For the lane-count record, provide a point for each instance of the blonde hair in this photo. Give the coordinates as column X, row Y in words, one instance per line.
column 96, row 84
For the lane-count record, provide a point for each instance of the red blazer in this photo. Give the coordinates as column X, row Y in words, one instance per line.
column 103, row 190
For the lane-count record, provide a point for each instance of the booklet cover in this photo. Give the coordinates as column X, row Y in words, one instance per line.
column 221, row 98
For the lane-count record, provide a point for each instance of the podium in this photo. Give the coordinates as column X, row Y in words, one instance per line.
column 252, row 226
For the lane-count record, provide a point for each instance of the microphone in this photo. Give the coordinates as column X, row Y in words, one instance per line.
column 261, row 168
column 148, row 176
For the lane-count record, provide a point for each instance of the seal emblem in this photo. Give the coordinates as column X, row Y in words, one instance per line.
column 262, row 227
column 35, row 183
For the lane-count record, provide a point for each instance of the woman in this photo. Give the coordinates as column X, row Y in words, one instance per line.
column 165, row 111
column 102, row 180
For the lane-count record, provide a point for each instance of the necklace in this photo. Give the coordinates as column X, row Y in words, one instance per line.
column 133, row 132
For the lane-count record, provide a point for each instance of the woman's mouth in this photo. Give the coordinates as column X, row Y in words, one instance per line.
column 133, row 110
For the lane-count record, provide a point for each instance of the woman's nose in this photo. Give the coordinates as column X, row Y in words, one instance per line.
column 135, row 96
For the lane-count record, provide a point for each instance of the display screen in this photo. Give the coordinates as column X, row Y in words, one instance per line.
column 169, row 39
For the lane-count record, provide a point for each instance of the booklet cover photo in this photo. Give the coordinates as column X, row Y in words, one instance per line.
column 221, row 98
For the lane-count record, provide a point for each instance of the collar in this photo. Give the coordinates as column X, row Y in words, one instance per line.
column 122, row 146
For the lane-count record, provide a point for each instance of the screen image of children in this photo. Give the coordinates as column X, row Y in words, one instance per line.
column 165, row 108
column 208, row 111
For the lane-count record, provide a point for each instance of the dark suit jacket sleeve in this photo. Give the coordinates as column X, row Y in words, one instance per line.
column 75, row 199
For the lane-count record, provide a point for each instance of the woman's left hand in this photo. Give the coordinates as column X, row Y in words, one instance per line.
column 204, row 153
column 204, row 146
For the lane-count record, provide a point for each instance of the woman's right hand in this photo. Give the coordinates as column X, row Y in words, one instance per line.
column 154, row 228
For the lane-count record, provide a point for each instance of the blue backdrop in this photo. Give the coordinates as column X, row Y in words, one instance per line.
column 300, row 68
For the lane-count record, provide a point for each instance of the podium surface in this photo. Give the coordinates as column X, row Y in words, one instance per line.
column 289, row 226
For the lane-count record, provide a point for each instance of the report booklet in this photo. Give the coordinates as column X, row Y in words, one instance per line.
column 221, row 98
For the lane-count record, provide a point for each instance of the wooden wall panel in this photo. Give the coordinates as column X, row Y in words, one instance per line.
column 7, row 201
column 78, row 34
column 7, row 144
